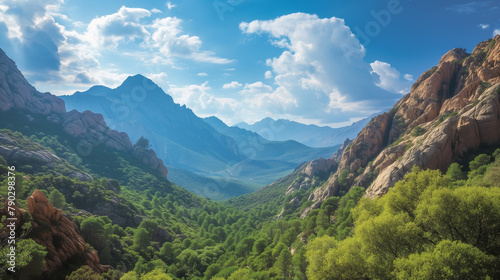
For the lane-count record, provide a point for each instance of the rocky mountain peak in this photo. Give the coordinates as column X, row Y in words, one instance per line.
column 452, row 108
column 16, row 92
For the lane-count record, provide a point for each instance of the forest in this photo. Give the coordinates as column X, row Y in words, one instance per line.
column 431, row 225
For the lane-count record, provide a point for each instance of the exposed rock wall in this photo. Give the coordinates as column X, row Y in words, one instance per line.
column 451, row 109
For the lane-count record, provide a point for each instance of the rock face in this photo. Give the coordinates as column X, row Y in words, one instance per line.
column 22, row 151
column 90, row 128
column 16, row 92
column 451, row 109
column 58, row 235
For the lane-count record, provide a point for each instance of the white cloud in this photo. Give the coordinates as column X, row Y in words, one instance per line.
column 321, row 73
column 199, row 97
column 256, row 88
column 156, row 11
column 233, row 84
column 484, row 26
column 496, row 32
column 170, row 6
column 408, row 77
column 121, row 26
column 390, row 78
column 167, row 37
column 268, row 75
column 202, row 74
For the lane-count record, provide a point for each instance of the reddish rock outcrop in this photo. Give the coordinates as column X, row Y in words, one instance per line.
column 451, row 109
column 58, row 235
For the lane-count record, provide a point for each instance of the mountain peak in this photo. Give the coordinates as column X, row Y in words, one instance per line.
column 139, row 80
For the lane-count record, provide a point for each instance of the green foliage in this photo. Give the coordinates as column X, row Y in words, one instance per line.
column 142, row 143
column 446, row 115
column 418, row 130
column 455, row 172
column 57, row 199
column 447, row 260
column 85, row 273
column 156, row 274
column 479, row 161
column 29, row 259
column 421, row 229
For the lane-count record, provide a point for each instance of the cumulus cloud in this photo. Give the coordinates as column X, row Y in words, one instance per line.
column 484, row 26
column 202, row 74
column 390, row 78
column 321, row 73
column 35, row 34
column 233, row 84
column 256, row 88
column 60, row 54
column 121, row 26
column 170, row 6
column 199, row 97
column 496, row 32
column 268, row 75
column 167, row 37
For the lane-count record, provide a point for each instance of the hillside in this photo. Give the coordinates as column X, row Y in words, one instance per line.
column 310, row 135
column 89, row 204
column 452, row 110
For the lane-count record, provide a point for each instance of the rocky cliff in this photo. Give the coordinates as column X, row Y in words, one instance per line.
column 58, row 235
column 452, row 108
column 16, row 93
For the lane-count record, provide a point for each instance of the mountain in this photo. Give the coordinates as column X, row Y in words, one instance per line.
column 90, row 205
column 256, row 147
column 87, row 130
column 451, row 112
column 226, row 161
column 141, row 108
column 310, row 135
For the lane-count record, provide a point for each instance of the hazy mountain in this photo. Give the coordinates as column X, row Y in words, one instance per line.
column 310, row 135
column 190, row 144
column 256, row 147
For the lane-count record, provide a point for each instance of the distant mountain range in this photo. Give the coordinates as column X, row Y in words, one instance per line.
column 310, row 135
column 228, row 161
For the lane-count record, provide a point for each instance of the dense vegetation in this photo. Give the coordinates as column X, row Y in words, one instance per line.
column 429, row 226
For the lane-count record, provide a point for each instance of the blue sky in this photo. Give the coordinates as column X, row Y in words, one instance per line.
column 323, row 62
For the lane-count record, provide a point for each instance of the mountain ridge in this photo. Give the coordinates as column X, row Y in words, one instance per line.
column 451, row 109
column 310, row 135
column 89, row 128
column 187, row 142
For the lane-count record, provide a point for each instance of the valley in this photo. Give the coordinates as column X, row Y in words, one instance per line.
column 122, row 182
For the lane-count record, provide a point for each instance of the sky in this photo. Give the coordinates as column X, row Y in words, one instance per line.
column 328, row 62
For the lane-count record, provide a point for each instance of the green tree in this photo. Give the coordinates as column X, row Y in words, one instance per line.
column 448, row 260
column 142, row 142
column 259, row 246
column 141, row 239
column 30, row 258
column 240, row 274
column 468, row 214
column 455, row 172
column 57, row 199
column 156, row 274
column 479, row 161
column 96, row 232
column 284, row 263
column 84, row 273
